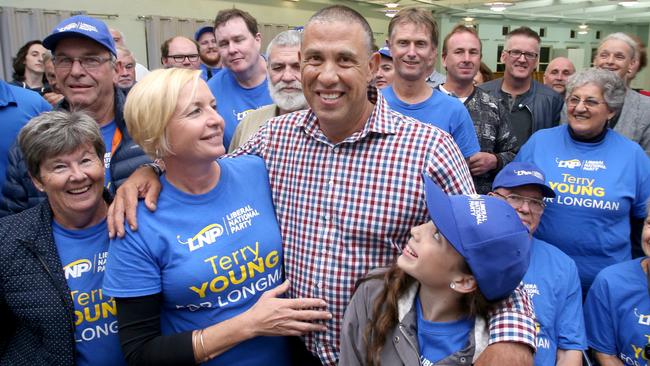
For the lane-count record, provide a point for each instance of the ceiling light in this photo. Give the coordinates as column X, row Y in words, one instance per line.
column 499, row 6
column 628, row 3
column 583, row 31
column 392, row 5
column 390, row 12
column 583, row 26
column 468, row 19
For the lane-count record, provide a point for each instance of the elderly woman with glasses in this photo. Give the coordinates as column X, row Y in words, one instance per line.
column 601, row 179
column 52, row 256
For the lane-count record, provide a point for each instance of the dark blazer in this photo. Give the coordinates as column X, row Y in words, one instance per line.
column 19, row 193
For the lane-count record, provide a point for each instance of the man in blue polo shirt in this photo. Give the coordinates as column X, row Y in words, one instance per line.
column 17, row 107
column 552, row 280
column 242, row 86
column 413, row 42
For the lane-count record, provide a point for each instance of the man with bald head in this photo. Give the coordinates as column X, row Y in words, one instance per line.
column 557, row 73
column 180, row 52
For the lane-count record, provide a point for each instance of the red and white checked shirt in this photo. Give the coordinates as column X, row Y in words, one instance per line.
column 342, row 206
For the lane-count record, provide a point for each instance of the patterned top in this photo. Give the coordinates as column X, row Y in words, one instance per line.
column 494, row 134
column 343, row 207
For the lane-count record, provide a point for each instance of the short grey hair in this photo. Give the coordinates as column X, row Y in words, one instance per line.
column 343, row 13
column 288, row 38
column 620, row 36
column 612, row 86
column 55, row 133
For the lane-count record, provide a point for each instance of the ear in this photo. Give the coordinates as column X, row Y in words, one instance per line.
column 464, row 283
column 503, row 57
column 37, row 183
column 373, row 65
column 258, row 40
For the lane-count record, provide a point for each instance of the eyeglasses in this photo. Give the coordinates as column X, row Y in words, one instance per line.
column 516, row 201
column 181, row 58
column 87, row 62
column 517, row 53
column 589, row 103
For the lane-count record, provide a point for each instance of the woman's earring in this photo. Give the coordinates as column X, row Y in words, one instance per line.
column 452, row 285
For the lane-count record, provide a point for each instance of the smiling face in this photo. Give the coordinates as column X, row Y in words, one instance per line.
column 557, row 73
column 208, row 49
column 195, row 131
column 588, row 122
column 463, row 57
column 87, row 89
column 429, row 258
column 529, row 217
column 385, row 72
column 239, row 49
column 412, row 50
column 74, row 183
column 520, row 68
column 337, row 67
column 615, row 55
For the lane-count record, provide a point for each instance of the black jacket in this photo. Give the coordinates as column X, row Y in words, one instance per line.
column 543, row 102
column 19, row 193
column 35, row 305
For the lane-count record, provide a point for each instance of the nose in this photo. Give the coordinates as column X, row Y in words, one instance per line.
column 411, row 50
column 289, row 75
column 215, row 119
column 231, row 48
column 76, row 173
column 328, row 74
column 76, row 69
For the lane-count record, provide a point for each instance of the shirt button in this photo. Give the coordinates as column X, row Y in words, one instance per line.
column 319, row 284
column 331, row 182
column 396, row 339
column 323, row 251
column 462, row 359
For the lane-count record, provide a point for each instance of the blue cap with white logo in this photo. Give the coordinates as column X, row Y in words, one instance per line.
column 487, row 232
column 81, row 26
column 384, row 51
column 518, row 173
column 201, row 31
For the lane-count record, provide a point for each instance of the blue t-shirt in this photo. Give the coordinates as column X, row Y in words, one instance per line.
column 598, row 185
column 442, row 111
column 83, row 255
column 235, row 101
column 204, row 71
column 617, row 312
column 553, row 284
column 211, row 255
column 108, row 132
column 438, row 340
column 17, row 107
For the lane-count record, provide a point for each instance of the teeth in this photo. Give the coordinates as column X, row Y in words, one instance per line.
column 330, row 96
column 79, row 190
column 410, row 251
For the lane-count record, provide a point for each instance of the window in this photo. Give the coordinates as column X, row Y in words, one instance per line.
column 544, row 57
column 542, row 32
column 500, row 66
column 505, row 30
column 597, row 34
column 573, row 34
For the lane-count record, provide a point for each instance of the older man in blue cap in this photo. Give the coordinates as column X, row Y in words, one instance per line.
column 208, row 51
column 85, row 64
column 552, row 280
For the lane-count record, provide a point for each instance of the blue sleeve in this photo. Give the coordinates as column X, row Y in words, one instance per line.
column 44, row 106
column 599, row 323
column 570, row 323
column 642, row 184
column 464, row 134
column 132, row 268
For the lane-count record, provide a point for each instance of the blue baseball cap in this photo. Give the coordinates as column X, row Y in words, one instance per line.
column 517, row 174
column 81, row 26
column 384, row 51
column 200, row 32
column 487, row 232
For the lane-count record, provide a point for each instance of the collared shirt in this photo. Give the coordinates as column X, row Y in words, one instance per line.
column 343, row 208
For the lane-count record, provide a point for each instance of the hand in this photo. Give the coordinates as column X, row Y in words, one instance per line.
column 143, row 183
column 481, row 163
column 53, row 98
column 274, row 316
column 506, row 354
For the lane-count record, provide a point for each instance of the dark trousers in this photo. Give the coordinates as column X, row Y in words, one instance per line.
column 300, row 355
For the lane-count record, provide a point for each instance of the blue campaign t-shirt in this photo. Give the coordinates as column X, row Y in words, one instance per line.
column 617, row 312
column 553, row 284
column 108, row 132
column 204, row 71
column 442, row 111
column 598, row 186
column 83, row 254
column 235, row 101
column 17, row 107
column 438, row 340
column 211, row 255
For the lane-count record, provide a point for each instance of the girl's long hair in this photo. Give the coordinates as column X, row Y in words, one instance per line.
column 385, row 313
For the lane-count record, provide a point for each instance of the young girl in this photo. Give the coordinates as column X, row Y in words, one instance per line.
column 429, row 307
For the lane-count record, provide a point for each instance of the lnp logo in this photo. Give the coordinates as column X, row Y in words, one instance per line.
column 534, row 173
column 643, row 318
column 79, row 25
column 593, row 165
column 571, row 164
column 477, row 209
column 207, row 235
column 76, row 268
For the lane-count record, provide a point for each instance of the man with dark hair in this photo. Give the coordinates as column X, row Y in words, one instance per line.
column 461, row 57
column 531, row 105
column 210, row 58
column 85, row 64
column 325, row 164
column 413, row 42
column 180, row 52
column 242, row 86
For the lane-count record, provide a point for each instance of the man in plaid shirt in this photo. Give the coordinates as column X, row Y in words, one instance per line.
column 346, row 183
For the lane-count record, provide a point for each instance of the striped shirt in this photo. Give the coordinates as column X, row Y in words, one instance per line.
column 343, row 207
